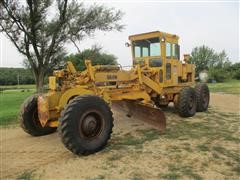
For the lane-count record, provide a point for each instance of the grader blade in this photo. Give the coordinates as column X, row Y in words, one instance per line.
column 151, row 115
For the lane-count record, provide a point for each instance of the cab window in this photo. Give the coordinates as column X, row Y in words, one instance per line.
column 137, row 51
column 147, row 47
column 168, row 50
column 168, row 71
column 145, row 52
column 175, row 51
column 155, row 49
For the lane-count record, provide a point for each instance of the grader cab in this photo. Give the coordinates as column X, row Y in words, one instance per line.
column 79, row 103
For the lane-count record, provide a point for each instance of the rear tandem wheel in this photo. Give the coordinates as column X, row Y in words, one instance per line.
column 186, row 103
column 202, row 94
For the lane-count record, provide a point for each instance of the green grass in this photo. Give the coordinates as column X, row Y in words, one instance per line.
column 10, row 102
column 176, row 171
column 21, row 86
column 229, row 157
column 170, row 176
column 99, row 177
column 202, row 147
column 214, row 129
column 26, row 175
column 230, row 87
column 115, row 157
column 233, row 155
column 213, row 126
column 127, row 140
column 136, row 176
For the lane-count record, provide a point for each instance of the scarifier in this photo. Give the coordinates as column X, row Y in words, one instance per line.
column 79, row 103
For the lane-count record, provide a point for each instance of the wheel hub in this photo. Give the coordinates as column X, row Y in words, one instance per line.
column 91, row 126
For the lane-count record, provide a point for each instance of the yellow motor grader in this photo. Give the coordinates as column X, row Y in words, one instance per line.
column 79, row 103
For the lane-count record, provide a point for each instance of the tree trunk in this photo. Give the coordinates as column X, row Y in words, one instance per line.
column 39, row 77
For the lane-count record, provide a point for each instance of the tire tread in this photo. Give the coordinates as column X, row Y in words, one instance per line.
column 182, row 105
column 26, row 120
column 64, row 127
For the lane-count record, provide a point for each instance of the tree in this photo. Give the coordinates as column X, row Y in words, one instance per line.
column 95, row 54
column 235, row 70
column 206, row 58
column 203, row 57
column 40, row 35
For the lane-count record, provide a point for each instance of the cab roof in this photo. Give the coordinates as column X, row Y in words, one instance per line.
column 153, row 34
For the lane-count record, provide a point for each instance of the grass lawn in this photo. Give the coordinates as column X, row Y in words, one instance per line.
column 230, row 87
column 10, row 102
column 21, row 86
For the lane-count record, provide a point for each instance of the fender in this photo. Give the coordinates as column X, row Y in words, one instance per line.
column 67, row 95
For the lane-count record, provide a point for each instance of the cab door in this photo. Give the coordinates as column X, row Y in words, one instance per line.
column 168, row 64
column 171, row 76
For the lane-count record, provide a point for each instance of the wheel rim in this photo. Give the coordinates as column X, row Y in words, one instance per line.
column 91, row 125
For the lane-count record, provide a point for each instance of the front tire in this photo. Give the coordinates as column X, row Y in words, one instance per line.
column 29, row 118
column 186, row 103
column 202, row 94
column 86, row 125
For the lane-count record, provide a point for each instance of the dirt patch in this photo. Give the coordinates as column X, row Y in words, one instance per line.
column 225, row 102
column 205, row 146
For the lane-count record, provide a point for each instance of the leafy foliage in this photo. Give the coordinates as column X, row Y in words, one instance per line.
column 235, row 70
column 219, row 74
column 40, row 29
column 227, row 72
column 203, row 57
column 95, row 54
column 10, row 76
column 206, row 58
column 217, row 64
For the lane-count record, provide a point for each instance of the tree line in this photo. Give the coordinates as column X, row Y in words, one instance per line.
column 216, row 64
column 13, row 76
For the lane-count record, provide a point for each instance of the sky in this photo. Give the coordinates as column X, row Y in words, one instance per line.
column 215, row 24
